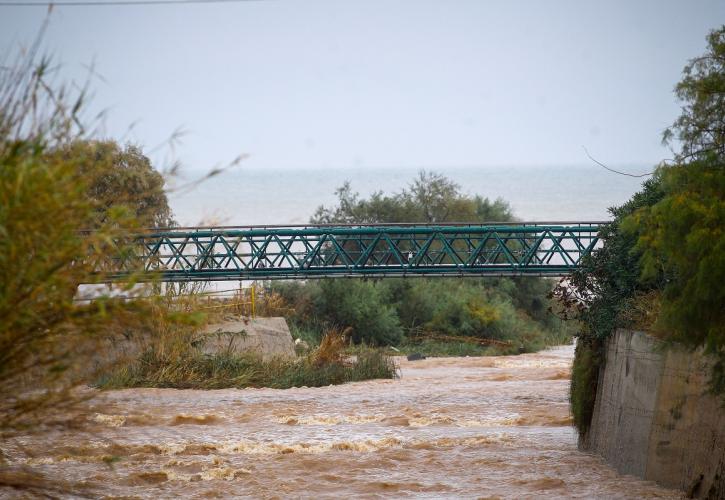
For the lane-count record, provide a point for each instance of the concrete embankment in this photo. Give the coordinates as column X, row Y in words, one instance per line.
column 268, row 337
column 654, row 418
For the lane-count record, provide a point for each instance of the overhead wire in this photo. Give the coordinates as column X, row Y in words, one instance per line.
column 615, row 171
column 101, row 3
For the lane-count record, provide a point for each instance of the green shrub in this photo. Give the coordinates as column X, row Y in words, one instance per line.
column 120, row 176
column 600, row 294
column 682, row 237
column 363, row 307
column 584, row 379
column 381, row 311
column 681, row 240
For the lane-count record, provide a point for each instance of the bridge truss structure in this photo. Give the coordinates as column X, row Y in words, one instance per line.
column 380, row 250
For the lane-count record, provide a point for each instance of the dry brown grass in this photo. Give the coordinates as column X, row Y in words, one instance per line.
column 331, row 348
column 642, row 312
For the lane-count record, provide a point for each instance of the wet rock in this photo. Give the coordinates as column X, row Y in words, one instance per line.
column 416, row 356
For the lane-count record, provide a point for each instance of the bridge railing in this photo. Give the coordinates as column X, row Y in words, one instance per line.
column 317, row 251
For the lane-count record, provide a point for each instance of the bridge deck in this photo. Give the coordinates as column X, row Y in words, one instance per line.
column 305, row 252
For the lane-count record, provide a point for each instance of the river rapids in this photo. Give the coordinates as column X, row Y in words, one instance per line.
column 480, row 427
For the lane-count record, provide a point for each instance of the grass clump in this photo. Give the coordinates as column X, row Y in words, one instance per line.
column 193, row 369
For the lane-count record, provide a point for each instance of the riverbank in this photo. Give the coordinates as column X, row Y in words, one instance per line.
column 448, row 427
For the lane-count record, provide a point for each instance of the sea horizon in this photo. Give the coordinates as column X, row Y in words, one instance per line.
column 247, row 196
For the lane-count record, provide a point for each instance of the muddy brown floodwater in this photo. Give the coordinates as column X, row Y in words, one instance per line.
column 449, row 427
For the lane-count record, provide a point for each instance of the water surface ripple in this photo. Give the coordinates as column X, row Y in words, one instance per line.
column 492, row 427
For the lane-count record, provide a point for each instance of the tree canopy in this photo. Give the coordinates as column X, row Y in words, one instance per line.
column 385, row 311
column 430, row 198
column 700, row 128
column 120, row 176
column 682, row 245
column 681, row 237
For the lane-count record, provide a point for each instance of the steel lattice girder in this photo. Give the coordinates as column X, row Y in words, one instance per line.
column 213, row 254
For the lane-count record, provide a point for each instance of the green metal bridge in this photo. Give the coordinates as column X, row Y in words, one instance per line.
column 321, row 251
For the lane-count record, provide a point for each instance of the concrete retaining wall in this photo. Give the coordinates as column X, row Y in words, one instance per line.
column 654, row 418
column 268, row 337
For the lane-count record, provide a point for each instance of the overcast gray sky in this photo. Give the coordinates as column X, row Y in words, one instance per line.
column 325, row 83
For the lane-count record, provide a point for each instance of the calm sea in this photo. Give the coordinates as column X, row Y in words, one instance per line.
column 246, row 197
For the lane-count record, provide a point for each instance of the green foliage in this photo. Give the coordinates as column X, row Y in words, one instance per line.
column 474, row 308
column 362, row 306
column 470, row 311
column 607, row 282
column 121, row 176
column 42, row 206
column 584, row 379
column 681, row 240
column 415, row 300
column 669, row 235
column 700, row 129
column 381, row 312
column 601, row 294
column 662, row 265
column 430, row 198
column 46, row 198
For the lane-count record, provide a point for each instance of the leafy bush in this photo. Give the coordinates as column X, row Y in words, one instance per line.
column 700, row 128
column 42, row 255
column 363, row 307
column 382, row 311
column 600, row 295
column 681, row 240
column 482, row 309
column 601, row 290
